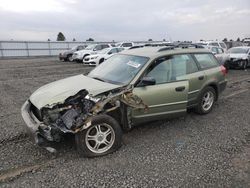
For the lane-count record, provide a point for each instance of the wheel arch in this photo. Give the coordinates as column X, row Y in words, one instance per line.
column 215, row 86
column 120, row 115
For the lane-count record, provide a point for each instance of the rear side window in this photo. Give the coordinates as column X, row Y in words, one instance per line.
column 127, row 45
column 220, row 51
column 105, row 46
column 223, row 45
column 214, row 49
column 206, row 60
column 80, row 47
column 214, row 44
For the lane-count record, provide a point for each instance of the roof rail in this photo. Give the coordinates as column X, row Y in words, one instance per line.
column 188, row 45
column 166, row 48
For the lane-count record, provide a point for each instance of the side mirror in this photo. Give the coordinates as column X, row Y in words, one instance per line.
column 147, row 81
column 109, row 53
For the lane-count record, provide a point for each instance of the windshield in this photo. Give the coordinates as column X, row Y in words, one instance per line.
column 104, row 51
column 90, row 47
column 74, row 48
column 119, row 69
column 238, row 50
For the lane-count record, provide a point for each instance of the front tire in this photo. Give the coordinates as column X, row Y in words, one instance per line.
column 104, row 136
column 70, row 58
column 206, row 101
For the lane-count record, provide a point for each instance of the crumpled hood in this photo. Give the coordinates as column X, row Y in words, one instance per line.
column 238, row 56
column 58, row 91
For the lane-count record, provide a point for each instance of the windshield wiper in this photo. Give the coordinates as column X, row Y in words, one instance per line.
column 97, row 78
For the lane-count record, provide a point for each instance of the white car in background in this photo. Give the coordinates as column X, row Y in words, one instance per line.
column 99, row 57
column 239, row 57
column 216, row 43
column 90, row 49
column 220, row 54
column 125, row 45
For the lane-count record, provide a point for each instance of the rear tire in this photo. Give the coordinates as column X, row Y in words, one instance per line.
column 244, row 67
column 104, row 136
column 206, row 100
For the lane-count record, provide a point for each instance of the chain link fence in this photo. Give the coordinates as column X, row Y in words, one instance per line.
column 35, row 48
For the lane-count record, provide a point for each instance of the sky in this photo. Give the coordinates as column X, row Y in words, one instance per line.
column 124, row 20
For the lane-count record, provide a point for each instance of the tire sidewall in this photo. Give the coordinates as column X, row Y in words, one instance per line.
column 80, row 137
column 200, row 109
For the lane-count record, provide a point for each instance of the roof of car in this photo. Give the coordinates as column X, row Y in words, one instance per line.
column 244, row 47
column 153, row 52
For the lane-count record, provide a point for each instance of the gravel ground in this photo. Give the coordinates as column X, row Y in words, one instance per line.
column 192, row 151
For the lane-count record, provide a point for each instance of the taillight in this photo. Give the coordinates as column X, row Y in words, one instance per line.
column 223, row 70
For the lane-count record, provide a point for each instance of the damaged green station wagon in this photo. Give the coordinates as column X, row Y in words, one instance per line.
column 133, row 87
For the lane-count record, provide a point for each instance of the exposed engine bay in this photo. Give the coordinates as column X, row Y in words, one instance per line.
column 74, row 114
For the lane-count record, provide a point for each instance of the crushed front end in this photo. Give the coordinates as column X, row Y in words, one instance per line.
column 236, row 62
column 52, row 121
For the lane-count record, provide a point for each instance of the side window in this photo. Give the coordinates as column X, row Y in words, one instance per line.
column 127, row 44
column 80, row 48
column 206, row 60
column 223, row 45
column 160, row 71
column 220, row 51
column 214, row 50
column 98, row 47
column 105, row 46
column 172, row 68
column 183, row 64
column 214, row 44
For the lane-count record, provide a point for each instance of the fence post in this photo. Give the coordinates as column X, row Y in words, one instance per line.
column 1, row 49
column 68, row 45
column 49, row 48
column 27, row 48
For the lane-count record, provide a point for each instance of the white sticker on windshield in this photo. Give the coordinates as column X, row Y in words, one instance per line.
column 133, row 64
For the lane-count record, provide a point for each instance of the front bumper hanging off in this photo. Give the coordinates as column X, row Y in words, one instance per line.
column 32, row 124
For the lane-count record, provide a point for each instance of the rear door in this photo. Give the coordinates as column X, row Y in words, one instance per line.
column 167, row 98
column 187, row 69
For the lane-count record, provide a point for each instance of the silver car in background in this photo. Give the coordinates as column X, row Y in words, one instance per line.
column 239, row 57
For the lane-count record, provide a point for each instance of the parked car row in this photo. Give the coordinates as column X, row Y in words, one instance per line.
column 78, row 53
column 94, row 54
column 67, row 55
column 100, row 56
column 236, row 57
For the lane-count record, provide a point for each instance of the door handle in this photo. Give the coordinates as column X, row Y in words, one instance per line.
column 201, row 77
column 179, row 89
